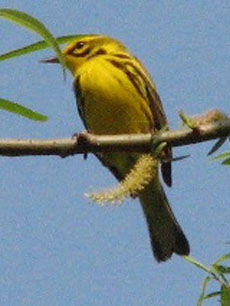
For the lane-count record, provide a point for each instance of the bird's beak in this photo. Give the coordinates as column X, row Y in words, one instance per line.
column 52, row 60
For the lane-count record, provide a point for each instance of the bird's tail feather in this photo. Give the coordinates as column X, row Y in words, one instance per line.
column 165, row 232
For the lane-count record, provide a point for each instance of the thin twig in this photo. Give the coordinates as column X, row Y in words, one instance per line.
column 87, row 143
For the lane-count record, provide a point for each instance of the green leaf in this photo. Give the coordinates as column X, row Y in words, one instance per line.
column 222, row 258
column 197, row 263
column 188, row 121
column 211, row 295
column 225, row 296
column 217, row 268
column 34, row 25
column 223, row 155
column 204, row 286
column 221, row 269
column 226, row 162
column 21, row 110
column 39, row 46
column 217, row 272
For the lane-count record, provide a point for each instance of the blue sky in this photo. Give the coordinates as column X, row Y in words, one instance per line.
column 55, row 247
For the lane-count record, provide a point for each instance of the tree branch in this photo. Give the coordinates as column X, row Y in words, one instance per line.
column 87, row 143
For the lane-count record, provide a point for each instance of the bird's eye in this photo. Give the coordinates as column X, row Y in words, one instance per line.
column 80, row 45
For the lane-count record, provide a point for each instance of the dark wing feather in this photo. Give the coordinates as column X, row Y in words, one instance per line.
column 160, row 122
column 149, row 92
column 79, row 98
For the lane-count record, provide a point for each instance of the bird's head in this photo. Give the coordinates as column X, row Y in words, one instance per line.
column 86, row 47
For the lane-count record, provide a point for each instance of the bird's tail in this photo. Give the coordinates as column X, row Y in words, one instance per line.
column 165, row 232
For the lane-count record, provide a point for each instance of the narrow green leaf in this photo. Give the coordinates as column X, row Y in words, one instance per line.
column 197, row 263
column 39, row 46
column 27, row 49
column 21, row 110
column 204, row 286
column 223, row 155
column 225, row 296
column 226, row 162
column 221, row 269
column 222, row 258
column 187, row 121
column 34, row 25
column 211, row 295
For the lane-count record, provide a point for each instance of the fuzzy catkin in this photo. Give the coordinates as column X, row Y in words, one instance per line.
column 142, row 173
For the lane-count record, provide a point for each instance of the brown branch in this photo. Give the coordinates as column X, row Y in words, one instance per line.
column 86, row 143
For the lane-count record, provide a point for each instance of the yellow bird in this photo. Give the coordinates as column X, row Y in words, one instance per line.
column 116, row 95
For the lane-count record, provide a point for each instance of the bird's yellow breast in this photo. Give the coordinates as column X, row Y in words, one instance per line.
column 110, row 103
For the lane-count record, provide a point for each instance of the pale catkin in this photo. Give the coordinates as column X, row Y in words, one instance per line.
column 211, row 116
column 142, row 173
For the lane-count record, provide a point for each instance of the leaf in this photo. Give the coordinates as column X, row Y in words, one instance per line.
column 221, row 269
column 223, row 155
column 217, row 145
column 21, row 110
column 197, row 263
column 226, row 162
column 204, row 286
column 34, row 25
column 187, row 121
column 225, row 295
column 222, row 258
column 178, row 158
column 39, row 45
column 210, row 295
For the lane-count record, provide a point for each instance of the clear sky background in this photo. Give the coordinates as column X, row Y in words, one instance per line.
column 56, row 248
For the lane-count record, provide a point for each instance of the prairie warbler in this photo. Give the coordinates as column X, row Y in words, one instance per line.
column 116, row 95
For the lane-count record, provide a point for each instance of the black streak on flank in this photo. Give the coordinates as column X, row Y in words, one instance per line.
column 153, row 99
column 131, row 76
